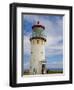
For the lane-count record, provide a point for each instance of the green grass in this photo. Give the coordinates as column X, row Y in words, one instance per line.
column 49, row 72
column 54, row 71
column 26, row 73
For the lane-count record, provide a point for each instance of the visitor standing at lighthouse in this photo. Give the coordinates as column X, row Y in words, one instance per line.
column 38, row 40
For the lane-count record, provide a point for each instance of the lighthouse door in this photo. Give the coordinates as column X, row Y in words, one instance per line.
column 43, row 68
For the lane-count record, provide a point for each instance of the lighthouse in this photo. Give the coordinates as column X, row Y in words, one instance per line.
column 38, row 40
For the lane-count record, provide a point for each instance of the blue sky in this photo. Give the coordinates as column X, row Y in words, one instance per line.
column 54, row 34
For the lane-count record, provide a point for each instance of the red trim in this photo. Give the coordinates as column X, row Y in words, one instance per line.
column 38, row 26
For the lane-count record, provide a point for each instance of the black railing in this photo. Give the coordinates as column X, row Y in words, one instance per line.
column 38, row 35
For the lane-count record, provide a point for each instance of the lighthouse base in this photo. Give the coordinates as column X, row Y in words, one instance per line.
column 40, row 68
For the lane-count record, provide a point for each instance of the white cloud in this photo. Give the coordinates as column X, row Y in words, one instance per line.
column 57, row 65
column 31, row 18
column 26, row 44
column 53, row 34
column 53, row 47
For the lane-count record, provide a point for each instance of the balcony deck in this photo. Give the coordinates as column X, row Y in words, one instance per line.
column 43, row 37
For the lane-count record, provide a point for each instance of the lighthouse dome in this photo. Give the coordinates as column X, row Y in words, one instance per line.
column 38, row 25
column 38, row 31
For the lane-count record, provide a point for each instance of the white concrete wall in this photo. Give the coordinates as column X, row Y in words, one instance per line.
column 37, row 54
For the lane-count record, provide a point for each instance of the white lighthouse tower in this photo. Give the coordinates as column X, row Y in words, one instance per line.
column 38, row 40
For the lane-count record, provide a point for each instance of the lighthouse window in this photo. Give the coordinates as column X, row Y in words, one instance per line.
column 30, row 67
column 31, row 52
column 41, row 52
column 37, row 41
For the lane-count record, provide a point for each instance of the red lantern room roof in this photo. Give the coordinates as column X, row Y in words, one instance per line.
column 38, row 25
